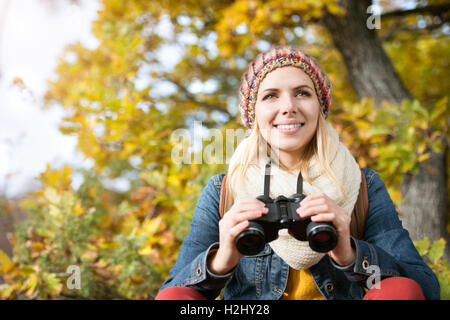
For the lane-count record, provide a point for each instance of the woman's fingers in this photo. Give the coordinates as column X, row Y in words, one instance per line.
column 242, row 211
column 237, row 229
column 248, row 204
column 324, row 217
column 312, row 210
column 240, row 217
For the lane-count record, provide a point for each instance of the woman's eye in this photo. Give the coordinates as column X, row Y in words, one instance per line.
column 303, row 93
column 268, row 96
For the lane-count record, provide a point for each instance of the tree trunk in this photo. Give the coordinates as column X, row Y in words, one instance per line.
column 369, row 69
column 427, row 186
column 372, row 74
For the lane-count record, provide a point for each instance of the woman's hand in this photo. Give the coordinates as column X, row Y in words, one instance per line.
column 321, row 208
column 231, row 225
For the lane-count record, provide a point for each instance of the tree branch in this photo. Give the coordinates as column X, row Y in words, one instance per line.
column 401, row 28
column 433, row 9
column 192, row 97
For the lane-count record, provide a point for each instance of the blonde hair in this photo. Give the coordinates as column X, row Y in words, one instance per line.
column 317, row 147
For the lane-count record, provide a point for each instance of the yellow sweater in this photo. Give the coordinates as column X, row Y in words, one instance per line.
column 301, row 286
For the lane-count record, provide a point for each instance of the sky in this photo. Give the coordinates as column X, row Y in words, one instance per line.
column 33, row 34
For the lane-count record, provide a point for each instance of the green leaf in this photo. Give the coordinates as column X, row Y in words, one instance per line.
column 439, row 109
column 52, row 195
column 422, row 246
column 377, row 131
column 420, row 110
column 445, row 286
column 437, row 146
column 53, row 284
column 436, row 250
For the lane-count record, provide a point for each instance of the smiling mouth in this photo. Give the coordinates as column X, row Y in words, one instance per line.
column 289, row 126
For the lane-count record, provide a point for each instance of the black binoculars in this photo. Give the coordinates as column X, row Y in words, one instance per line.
column 322, row 236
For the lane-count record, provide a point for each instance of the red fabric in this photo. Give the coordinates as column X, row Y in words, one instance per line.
column 179, row 293
column 396, row 288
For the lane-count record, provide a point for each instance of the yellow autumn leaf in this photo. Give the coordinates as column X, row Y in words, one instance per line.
column 92, row 192
column 129, row 224
column 29, row 286
column 8, row 291
column 335, row 9
column 4, row 259
column 421, row 148
column 8, row 267
column 423, row 157
column 150, row 226
column 90, row 255
column 145, row 251
column 78, row 208
column 137, row 279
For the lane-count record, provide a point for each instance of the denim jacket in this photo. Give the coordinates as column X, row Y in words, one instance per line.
column 385, row 251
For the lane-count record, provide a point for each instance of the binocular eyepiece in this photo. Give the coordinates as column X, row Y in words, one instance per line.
column 321, row 236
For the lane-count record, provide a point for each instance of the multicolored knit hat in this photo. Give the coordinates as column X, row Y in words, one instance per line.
column 269, row 61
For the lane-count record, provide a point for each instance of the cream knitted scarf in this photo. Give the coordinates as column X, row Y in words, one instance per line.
column 297, row 254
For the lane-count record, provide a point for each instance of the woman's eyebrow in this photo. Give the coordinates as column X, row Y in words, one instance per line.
column 294, row 89
column 303, row 86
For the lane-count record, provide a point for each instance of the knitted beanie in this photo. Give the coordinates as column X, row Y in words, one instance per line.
column 269, row 61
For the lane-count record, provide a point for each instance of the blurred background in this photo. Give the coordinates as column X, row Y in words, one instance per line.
column 33, row 35
column 91, row 92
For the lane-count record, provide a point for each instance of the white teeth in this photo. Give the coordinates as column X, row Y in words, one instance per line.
column 289, row 126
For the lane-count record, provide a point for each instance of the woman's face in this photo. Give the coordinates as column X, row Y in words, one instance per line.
column 287, row 111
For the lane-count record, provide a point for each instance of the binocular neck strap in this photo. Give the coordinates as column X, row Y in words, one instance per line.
column 267, row 181
column 299, row 183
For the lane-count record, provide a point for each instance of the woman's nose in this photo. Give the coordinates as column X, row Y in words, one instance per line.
column 287, row 105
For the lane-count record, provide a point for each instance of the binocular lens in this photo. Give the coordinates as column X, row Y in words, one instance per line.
column 251, row 241
column 322, row 238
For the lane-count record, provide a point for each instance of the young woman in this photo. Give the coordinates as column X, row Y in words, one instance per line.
column 285, row 98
